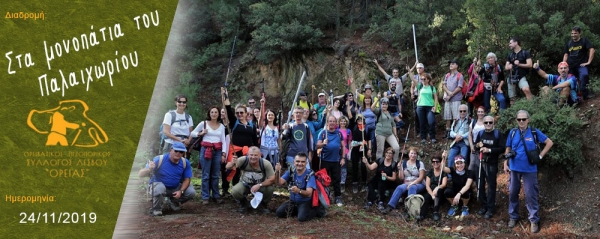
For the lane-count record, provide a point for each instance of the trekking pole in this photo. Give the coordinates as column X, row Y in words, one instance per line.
column 479, row 177
column 403, row 148
column 415, row 40
column 297, row 93
column 152, row 186
column 230, row 57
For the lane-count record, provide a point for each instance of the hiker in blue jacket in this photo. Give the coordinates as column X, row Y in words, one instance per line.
column 169, row 176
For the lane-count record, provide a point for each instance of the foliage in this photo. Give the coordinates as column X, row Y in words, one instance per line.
column 561, row 125
column 284, row 26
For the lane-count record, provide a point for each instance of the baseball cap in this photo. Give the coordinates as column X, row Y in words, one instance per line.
column 178, row 146
column 258, row 196
column 302, row 93
column 453, row 61
column 322, row 94
column 420, row 65
column 367, row 86
column 385, row 100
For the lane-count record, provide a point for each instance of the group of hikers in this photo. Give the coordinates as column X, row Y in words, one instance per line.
column 251, row 149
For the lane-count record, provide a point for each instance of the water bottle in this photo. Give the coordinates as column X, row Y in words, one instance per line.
column 383, row 178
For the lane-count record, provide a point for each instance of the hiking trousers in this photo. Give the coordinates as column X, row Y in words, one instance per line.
column 303, row 210
column 381, row 186
column 334, row 169
column 160, row 191
column 488, row 175
column 532, row 191
column 356, row 158
column 429, row 200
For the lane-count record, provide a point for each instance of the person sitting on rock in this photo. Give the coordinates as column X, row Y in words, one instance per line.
column 461, row 185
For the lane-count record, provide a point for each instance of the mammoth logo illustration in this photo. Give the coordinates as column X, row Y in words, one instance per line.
column 65, row 123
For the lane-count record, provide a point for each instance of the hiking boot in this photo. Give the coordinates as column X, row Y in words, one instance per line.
column 263, row 208
column 512, row 223
column 204, row 202
column 386, row 210
column 174, row 206
column 452, row 210
column 448, row 134
column 355, row 188
column 157, row 213
column 219, row 200
column 535, row 227
column 243, row 207
column 343, row 188
column 433, row 141
column 363, row 188
column 369, row 204
column 423, row 141
column 338, row 201
column 481, row 211
column 436, row 216
column 465, row 211
column 419, row 218
column 380, row 206
column 488, row 215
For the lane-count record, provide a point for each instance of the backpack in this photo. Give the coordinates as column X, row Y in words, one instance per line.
column 320, row 196
column 285, row 144
column 237, row 122
column 261, row 165
column 533, row 132
column 438, row 109
column 413, row 204
column 577, row 87
column 469, row 122
column 161, row 135
column 496, row 134
column 160, row 160
column 464, row 88
column 418, row 164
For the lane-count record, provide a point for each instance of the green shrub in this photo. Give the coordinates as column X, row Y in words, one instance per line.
column 561, row 125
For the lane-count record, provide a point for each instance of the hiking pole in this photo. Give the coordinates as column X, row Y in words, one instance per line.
column 415, row 40
column 403, row 148
column 297, row 93
column 312, row 96
column 230, row 57
column 479, row 177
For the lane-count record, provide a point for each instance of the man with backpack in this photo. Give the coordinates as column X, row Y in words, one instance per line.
column 564, row 83
column 518, row 63
column 301, row 184
column 522, row 155
column 453, row 85
column 299, row 136
column 490, row 144
column 256, row 175
column 459, row 132
column 169, row 176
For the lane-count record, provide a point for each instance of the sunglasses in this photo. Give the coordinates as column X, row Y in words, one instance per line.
column 179, row 152
column 435, row 162
column 521, row 119
column 488, row 122
column 182, row 102
column 462, row 111
column 251, row 103
column 459, row 162
column 315, row 113
column 240, row 113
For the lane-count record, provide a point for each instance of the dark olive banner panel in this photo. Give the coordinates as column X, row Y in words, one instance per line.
column 76, row 79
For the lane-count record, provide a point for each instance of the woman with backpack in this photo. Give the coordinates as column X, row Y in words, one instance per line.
column 359, row 147
column 177, row 125
column 213, row 139
column 427, row 102
column 368, row 111
column 385, row 130
column 474, row 128
column 412, row 173
column 243, row 132
column 384, row 179
column 347, row 138
column 269, row 138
